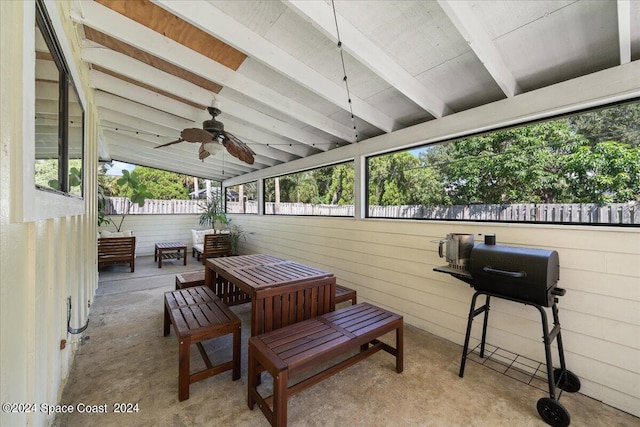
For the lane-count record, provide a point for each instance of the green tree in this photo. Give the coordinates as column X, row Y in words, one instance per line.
column 341, row 187
column 616, row 123
column 129, row 184
column 162, row 184
column 608, row 172
column 518, row 165
column 404, row 179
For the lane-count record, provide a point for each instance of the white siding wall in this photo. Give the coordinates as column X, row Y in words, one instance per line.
column 42, row 262
column 151, row 229
column 390, row 263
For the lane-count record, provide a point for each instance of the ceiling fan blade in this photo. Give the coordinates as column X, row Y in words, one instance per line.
column 169, row 143
column 202, row 152
column 196, row 135
column 232, row 147
column 244, row 152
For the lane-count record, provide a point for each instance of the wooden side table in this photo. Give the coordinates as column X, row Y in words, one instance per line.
column 173, row 251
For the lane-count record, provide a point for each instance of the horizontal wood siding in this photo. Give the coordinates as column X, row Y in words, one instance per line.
column 151, row 229
column 390, row 263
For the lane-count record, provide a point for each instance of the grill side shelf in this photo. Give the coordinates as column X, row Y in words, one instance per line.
column 463, row 275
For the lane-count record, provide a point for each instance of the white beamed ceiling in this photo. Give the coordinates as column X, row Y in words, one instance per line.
column 276, row 71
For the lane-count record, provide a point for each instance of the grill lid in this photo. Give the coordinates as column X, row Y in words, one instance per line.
column 523, row 273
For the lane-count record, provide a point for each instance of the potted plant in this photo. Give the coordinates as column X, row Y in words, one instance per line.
column 212, row 211
column 235, row 233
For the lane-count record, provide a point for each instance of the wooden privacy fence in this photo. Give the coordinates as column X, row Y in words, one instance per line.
column 121, row 205
column 579, row 213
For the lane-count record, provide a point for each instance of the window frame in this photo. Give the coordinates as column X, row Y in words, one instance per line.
column 264, row 185
column 237, row 185
column 32, row 202
column 472, row 134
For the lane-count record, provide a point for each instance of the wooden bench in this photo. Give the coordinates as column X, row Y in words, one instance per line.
column 117, row 250
column 187, row 280
column 298, row 348
column 344, row 294
column 198, row 315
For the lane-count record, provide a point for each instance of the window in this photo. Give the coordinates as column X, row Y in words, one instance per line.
column 59, row 118
column 583, row 169
column 326, row 191
column 242, row 198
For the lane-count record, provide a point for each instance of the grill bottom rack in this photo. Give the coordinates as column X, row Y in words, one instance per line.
column 512, row 365
column 549, row 409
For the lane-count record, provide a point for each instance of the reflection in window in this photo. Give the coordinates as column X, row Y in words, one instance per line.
column 326, row 191
column 59, row 119
column 75, row 139
column 47, row 115
column 243, row 198
column 583, row 168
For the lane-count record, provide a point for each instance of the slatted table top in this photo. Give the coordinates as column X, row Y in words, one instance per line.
column 263, row 271
column 244, row 261
column 170, row 245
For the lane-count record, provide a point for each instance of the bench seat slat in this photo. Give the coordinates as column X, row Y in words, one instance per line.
column 355, row 327
column 293, row 332
column 345, row 313
column 312, row 349
column 318, row 334
column 297, row 348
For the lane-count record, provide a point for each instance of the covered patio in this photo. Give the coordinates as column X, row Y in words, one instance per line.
column 123, row 363
column 250, row 91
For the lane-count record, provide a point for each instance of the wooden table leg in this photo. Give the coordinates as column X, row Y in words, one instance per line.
column 252, row 368
column 400, row 348
column 159, row 258
column 185, row 255
column 183, row 368
column 167, row 321
column 236, row 353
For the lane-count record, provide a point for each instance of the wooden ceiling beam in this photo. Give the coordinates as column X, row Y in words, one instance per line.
column 184, row 154
column 461, row 14
column 121, row 28
column 320, row 15
column 624, row 30
column 138, row 71
column 137, row 94
column 209, row 18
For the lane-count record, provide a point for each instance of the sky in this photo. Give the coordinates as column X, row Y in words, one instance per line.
column 117, row 168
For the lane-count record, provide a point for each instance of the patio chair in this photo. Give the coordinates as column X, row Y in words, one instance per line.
column 215, row 245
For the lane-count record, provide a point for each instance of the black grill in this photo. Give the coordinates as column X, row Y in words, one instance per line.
column 521, row 273
column 528, row 276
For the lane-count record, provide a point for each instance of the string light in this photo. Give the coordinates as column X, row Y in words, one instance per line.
column 344, row 71
column 289, row 144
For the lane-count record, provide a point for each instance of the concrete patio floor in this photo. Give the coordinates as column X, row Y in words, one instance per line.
column 127, row 360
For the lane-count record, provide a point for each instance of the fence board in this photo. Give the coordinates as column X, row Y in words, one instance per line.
column 615, row 213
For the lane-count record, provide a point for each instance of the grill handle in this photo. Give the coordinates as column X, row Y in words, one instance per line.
column 504, row 273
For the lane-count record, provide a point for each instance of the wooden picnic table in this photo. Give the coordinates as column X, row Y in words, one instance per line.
column 281, row 292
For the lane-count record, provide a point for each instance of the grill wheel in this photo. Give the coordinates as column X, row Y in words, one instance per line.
column 553, row 413
column 568, row 382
